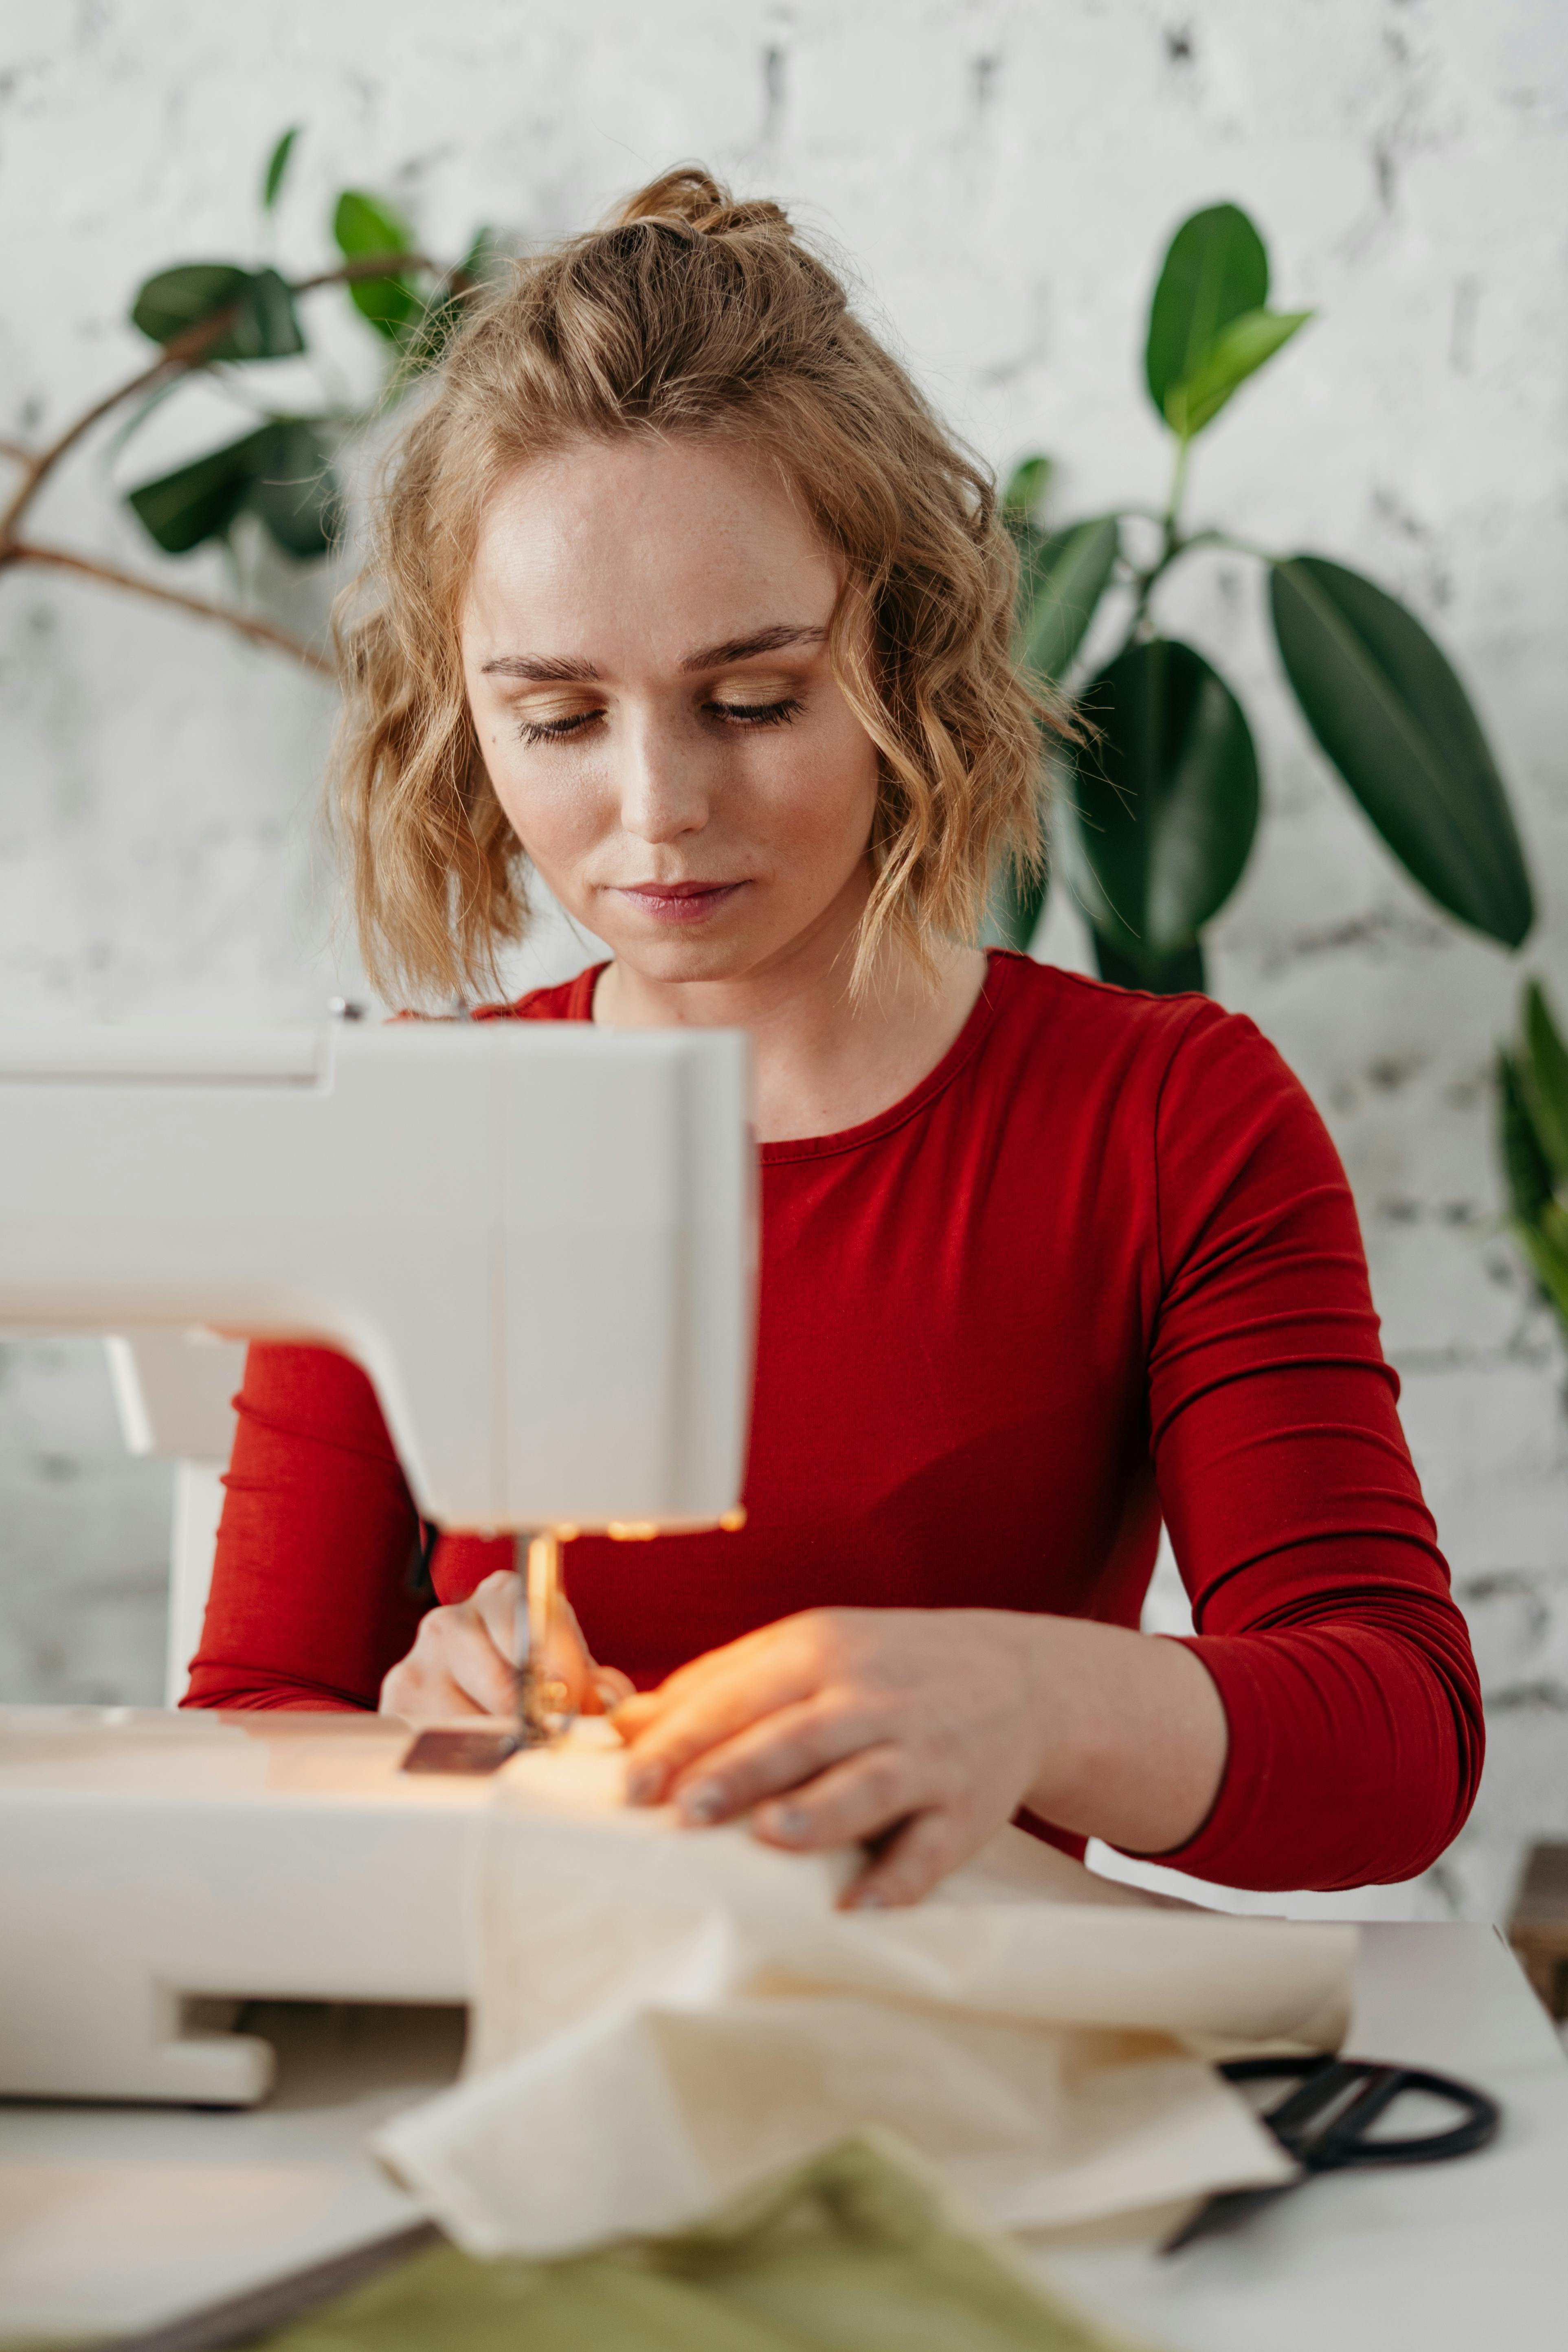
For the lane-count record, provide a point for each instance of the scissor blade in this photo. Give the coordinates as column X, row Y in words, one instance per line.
column 1225, row 2211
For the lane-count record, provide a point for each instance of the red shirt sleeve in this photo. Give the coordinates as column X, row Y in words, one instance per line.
column 314, row 1595
column 1320, row 1600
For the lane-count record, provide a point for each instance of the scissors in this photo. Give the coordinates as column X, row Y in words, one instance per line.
column 1326, row 2125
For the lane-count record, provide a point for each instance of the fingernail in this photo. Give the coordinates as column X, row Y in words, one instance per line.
column 788, row 1822
column 866, row 1898
column 608, row 1695
column 645, row 1784
column 704, row 1803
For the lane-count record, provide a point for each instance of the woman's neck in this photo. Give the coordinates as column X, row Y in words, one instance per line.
column 822, row 1063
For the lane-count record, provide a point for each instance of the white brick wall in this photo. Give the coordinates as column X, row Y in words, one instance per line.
column 1004, row 177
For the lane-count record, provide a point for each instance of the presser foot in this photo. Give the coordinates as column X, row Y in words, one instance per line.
column 486, row 1747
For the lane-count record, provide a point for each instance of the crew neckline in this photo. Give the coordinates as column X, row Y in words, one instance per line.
column 936, row 1081
column 981, row 1013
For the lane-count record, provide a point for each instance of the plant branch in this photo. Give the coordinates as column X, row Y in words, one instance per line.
column 1172, row 545
column 377, row 265
column 181, row 355
column 259, row 633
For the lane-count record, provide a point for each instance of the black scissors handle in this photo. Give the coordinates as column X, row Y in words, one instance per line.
column 1325, row 2126
column 1327, row 2123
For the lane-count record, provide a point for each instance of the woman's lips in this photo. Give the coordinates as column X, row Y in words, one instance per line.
column 678, row 902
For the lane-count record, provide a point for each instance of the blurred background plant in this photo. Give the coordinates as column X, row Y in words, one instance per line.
column 1156, row 820
column 223, row 321
column 1532, row 1139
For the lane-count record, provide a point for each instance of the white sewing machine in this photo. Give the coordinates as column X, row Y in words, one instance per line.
column 539, row 1242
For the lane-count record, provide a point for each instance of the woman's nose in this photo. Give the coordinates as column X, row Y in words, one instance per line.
column 664, row 790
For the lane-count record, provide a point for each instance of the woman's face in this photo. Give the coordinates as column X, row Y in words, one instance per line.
column 645, row 646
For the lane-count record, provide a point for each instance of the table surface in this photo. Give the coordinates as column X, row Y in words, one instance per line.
column 115, row 2218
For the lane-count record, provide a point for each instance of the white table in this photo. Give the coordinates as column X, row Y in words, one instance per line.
column 114, row 2217
column 1461, row 2257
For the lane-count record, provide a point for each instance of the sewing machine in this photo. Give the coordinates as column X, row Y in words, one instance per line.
column 539, row 1242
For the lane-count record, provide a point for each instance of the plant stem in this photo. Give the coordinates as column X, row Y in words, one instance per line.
column 1173, row 546
column 259, row 633
column 1178, row 492
column 181, row 355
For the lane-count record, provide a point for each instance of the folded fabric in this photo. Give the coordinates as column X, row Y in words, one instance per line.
column 667, row 2017
column 861, row 2250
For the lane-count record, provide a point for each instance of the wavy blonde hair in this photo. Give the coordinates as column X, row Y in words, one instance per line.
column 685, row 313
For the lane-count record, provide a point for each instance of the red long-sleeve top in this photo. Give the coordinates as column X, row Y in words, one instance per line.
column 1101, row 1265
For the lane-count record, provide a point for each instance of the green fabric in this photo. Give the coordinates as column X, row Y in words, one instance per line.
column 857, row 2252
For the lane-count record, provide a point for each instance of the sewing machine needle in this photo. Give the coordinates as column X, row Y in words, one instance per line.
column 541, row 1581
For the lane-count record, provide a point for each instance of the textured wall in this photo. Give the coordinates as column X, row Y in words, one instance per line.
column 1003, row 176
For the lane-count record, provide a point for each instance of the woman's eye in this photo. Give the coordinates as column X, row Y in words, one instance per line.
column 758, row 714
column 551, row 730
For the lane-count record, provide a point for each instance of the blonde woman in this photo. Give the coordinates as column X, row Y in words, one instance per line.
column 682, row 598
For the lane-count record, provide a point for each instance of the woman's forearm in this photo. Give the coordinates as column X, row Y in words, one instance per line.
column 1135, row 1736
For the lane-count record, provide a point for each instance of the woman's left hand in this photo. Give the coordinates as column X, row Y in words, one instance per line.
column 919, row 1732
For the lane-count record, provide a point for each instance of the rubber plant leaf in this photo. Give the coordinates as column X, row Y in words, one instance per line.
column 1548, row 1262
column 1027, row 486
column 277, row 169
column 1063, row 586
column 265, row 325
column 1384, row 702
column 198, row 502
column 1237, row 352
column 1215, row 269
column 1163, row 806
column 1183, row 974
column 1544, row 1076
column 295, row 491
column 1526, row 1167
column 364, row 228
column 281, row 473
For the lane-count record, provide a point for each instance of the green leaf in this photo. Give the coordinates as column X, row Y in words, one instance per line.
column 364, row 228
column 1181, row 974
column 1543, row 1073
column 265, row 325
column 277, row 169
column 176, row 298
column 1164, row 804
column 1387, row 709
column 1216, row 270
column 1064, row 578
column 198, row 502
column 1237, row 352
column 281, row 472
column 1027, row 486
column 1548, row 1263
column 295, row 491
column 1525, row 1163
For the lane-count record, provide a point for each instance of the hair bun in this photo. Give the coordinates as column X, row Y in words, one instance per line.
column 692, row 199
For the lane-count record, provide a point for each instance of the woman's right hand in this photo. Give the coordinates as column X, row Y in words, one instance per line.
column 461, row 1660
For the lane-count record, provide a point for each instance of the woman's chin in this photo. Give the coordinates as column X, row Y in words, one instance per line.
column 711, row 954
column 668, row 963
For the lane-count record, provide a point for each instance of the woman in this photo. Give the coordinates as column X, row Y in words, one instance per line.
column 680, row 590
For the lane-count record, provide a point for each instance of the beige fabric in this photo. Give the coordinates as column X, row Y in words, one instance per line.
column 665, row 2016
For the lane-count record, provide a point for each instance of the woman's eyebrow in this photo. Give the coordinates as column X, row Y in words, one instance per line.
column 544, row 668
column 762, row 641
